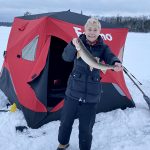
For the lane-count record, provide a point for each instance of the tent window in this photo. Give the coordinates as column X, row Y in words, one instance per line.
column 28, row 52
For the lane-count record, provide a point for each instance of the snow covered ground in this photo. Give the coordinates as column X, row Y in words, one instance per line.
column 117, row 130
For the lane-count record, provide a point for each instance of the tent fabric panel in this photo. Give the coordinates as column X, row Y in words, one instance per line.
column 117, row 78
column 33, row 118
column 27, row 97
column 61, row 29
column 33, row 28
column 19, row 73
column 9, row 91
column 40, row 83
column 110, row 37
column 111, row 99
column 37, row 119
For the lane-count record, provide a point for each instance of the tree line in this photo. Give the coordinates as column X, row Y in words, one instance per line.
column 6, row 24
column 134, row 24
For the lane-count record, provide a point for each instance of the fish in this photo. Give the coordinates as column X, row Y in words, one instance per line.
column 88, row 58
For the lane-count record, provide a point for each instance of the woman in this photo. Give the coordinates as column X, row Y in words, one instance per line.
column 84, row 88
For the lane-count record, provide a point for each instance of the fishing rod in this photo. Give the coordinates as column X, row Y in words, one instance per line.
column 132, row 75
column 147, row 99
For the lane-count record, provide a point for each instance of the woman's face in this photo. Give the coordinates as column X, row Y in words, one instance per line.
column 92, row 33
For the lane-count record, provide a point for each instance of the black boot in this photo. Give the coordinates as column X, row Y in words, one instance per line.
column 62, row 147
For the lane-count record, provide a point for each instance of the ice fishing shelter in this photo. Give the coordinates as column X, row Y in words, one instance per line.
column 34, row 76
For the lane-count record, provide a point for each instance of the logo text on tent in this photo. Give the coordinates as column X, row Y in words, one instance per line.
column 106, row 36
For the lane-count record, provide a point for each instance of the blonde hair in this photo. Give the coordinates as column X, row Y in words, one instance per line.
column 93, row 22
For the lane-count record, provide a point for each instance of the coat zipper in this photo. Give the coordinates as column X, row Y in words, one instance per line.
column 87, row 81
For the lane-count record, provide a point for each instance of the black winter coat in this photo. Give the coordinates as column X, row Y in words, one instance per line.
column 83, row 84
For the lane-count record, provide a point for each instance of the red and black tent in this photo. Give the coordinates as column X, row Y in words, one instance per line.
column 34, row 76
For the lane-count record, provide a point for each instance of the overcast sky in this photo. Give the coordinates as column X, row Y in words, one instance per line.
column 11, row 8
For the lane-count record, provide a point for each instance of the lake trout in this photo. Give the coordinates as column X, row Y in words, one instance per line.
column 90, row 60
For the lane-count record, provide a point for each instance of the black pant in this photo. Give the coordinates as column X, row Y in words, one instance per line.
column 86, row 113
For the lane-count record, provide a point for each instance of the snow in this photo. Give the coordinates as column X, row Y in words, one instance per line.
column 4, row 34
column 127, row 129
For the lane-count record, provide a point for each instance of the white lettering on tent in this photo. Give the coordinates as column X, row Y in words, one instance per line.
column 105, row 37
column 77, row 31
